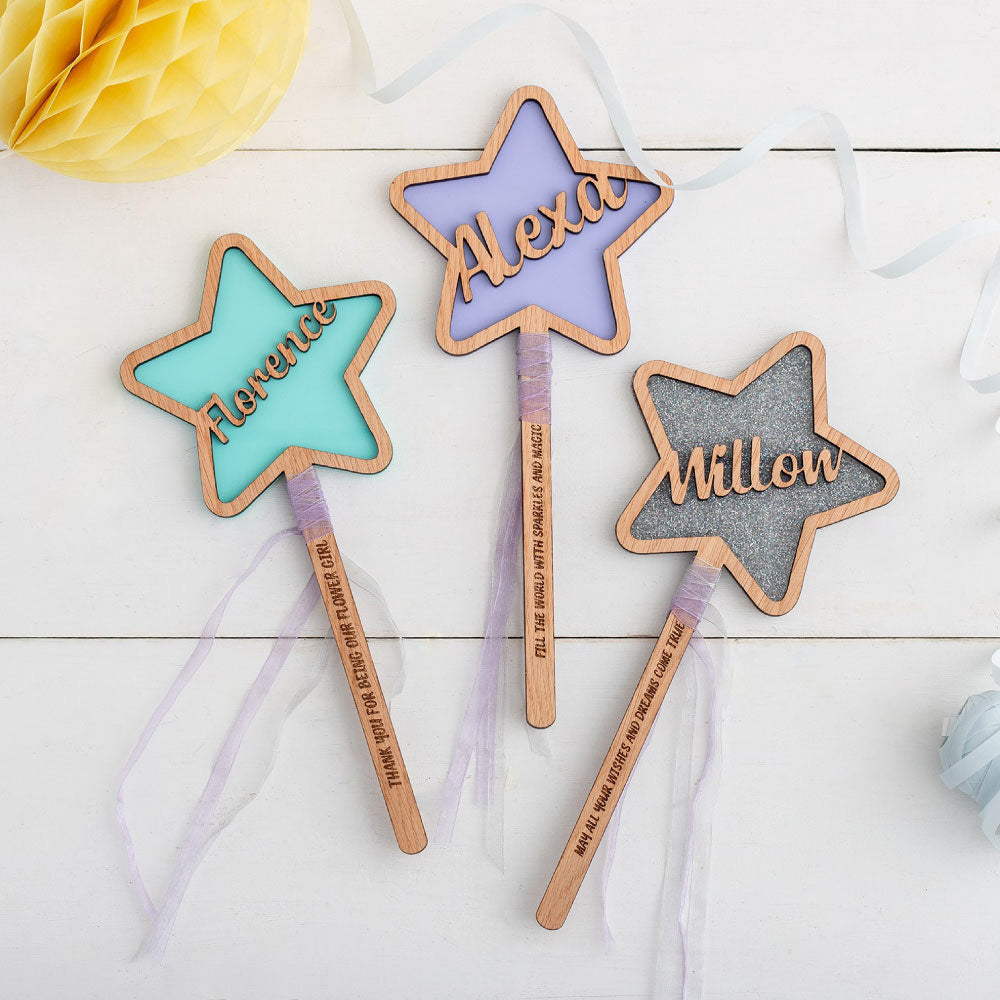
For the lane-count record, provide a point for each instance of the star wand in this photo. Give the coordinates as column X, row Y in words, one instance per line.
column 270, row 378
column 748, row 470
column 531, row 233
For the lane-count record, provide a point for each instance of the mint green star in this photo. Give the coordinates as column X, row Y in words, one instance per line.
column 312, row 405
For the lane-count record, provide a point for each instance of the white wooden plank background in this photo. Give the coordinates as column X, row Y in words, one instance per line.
column 697, row 75
column 841, row 866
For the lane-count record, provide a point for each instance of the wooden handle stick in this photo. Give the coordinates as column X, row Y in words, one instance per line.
column 618, row 762
column 362, row 679
column 534, row 370
column 539, row 630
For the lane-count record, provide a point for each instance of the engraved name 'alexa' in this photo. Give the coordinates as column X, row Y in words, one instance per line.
column 722, row 473
column 276, row 366
column 594, row 193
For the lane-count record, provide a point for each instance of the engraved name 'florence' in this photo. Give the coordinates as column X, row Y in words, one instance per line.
column 710, row 477
column 276, row 366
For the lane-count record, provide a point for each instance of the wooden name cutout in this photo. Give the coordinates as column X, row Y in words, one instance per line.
column 245, row 398
column 485, row 247
column 711, row 478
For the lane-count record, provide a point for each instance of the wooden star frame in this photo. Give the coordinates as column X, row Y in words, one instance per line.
column 294, row 459
column 713, row 548
column 528, row 319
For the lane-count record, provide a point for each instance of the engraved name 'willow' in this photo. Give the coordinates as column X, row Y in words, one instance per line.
column 710, row 477
column 276, row 366
column 593, row 195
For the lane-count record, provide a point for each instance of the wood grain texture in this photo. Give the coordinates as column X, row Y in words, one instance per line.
column 731, row 387
column 531, row 315
column 539, row 577
column 362, row 679
column 294, row 458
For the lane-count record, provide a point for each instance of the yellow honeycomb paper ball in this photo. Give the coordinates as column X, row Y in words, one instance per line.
column 136, row 90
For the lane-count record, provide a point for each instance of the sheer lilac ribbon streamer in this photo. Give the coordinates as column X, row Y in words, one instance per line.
column 479, row 730
column 691, row 606
column 198, row 836
column 313, row 520
column 690, row 958
column 610, row 850
column 190, row 668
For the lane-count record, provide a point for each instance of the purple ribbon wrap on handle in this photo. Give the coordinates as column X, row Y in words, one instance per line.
column 479, row 730
column 534, row 377
column 309, row 505
column 694, row 593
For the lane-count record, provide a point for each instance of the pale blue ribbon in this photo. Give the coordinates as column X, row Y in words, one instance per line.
column 481, row 729
column 784, row 126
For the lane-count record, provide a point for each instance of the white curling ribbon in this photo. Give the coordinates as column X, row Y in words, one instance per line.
column 784, row 126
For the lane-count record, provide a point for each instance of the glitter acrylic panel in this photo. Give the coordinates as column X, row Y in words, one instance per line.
column 762, row 529
column 760, row 522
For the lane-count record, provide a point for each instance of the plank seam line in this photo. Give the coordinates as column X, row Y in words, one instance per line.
column 617, row 149
column 479, row 638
